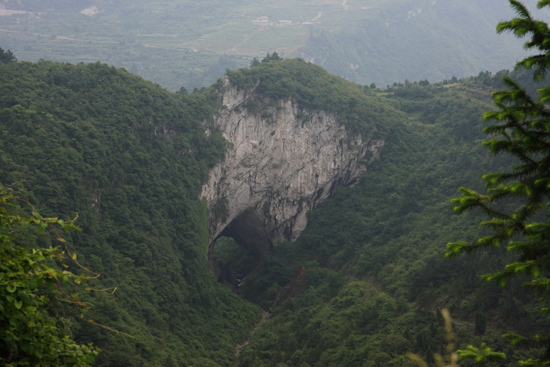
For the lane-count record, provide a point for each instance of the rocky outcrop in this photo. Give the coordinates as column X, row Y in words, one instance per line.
column 282, row 162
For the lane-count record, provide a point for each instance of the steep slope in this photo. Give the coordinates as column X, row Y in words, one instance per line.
column 132, row 159
column 365, row 281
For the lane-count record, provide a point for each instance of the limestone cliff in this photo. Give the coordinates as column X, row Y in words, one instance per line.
column 282, row 162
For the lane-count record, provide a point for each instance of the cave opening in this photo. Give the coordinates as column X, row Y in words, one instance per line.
column 237, row 251
column 232, row 262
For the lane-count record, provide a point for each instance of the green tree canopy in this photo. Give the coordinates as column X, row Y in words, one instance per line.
column 6, row 56
column 270, row 57
column 517, row 201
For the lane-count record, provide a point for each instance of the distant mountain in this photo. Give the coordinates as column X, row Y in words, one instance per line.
column 416, row 40
column 191, row 44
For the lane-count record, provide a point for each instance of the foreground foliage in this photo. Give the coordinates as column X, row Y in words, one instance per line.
column 29, row 335
column 522, row 129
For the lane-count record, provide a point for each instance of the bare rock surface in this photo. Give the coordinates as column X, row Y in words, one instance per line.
column 282, row 162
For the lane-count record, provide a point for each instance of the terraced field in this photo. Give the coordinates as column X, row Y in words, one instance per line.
column 186, row 43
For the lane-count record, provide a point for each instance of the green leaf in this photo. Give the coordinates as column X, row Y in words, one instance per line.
column 42, row 226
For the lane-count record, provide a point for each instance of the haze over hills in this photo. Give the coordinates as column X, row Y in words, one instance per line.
column 194, row 205
column 188, row 43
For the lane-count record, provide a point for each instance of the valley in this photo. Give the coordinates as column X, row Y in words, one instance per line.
column 184, row 43
column 242, row 210
column 369, row 265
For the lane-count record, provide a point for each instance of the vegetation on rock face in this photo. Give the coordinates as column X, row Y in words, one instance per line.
column 314, row 89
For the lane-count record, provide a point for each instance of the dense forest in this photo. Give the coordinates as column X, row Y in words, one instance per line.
column 130, row 157
column 362, row 286
column 366, row 280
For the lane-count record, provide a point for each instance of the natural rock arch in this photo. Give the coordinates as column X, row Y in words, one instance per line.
column 281, row 163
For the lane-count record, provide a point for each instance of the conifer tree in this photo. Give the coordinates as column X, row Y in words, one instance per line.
column 6, row 56
column 271, row 57
column 521, row 128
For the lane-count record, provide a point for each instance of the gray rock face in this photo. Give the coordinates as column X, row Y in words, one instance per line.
column 282, row 162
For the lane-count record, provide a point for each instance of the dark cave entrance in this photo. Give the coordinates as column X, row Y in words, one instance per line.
column 240, row 246
column 232, row 262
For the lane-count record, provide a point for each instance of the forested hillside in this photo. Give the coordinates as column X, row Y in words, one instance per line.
column 361, row 286
column 129, row 158
column 365, row 282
